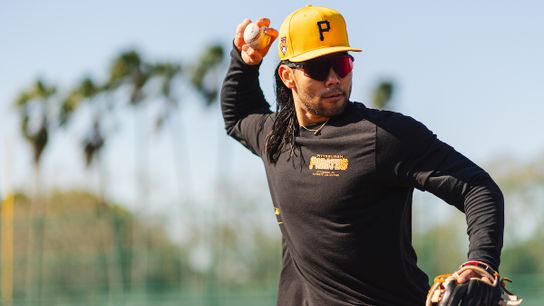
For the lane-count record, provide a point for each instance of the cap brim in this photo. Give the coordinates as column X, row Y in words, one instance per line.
column 320, row 52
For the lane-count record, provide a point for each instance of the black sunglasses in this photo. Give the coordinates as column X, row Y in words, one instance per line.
column 318, row 69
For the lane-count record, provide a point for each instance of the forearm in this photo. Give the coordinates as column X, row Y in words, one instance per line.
column 463, row 184
column 484, row 210
column 241, row 94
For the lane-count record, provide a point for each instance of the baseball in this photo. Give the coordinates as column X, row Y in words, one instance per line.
column 255, row 36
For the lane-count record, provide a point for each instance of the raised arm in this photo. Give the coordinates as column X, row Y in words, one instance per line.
column 242, row 100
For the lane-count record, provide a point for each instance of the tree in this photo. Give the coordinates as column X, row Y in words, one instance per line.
column 382, row 94
column 135, row 81
column 167, row 74
column 97, row 98
column 205, row 80
column 205, row 74
column 75, row 267
column 521, row 183
column 37, row 116
column 130, row 73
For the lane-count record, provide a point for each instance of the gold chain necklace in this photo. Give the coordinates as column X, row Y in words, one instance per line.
column 316, row 131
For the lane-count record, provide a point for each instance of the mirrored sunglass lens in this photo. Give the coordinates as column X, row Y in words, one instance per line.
column 319, row 69
column 343, row 65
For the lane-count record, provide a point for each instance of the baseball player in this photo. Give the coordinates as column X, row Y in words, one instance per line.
column 341, row 175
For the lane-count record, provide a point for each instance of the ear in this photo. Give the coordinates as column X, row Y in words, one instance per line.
column 287, row 76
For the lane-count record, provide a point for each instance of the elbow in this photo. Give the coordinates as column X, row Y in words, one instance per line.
column 230, row 119
column 485, row 198
column 229, row 128
column 494, row 190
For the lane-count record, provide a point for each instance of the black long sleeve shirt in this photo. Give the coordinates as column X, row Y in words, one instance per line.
column 345, row 210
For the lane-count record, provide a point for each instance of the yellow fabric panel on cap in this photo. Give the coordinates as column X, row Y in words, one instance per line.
column 312, row 31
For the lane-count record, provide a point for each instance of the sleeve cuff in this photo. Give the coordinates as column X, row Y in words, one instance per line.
column 237, row 59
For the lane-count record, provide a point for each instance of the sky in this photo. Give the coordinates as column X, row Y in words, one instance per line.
column 471, row 71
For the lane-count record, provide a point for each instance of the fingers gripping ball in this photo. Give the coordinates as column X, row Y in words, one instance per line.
column 486, row 290
column 256, row 37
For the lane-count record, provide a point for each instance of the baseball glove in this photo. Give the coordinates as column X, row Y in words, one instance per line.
column 489, row 291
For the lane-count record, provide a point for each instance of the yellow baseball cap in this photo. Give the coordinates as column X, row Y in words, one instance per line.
column 312, row 31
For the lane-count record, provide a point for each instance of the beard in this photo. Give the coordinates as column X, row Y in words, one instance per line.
column 326, row 109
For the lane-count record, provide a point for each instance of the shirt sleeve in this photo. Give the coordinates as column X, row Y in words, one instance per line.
column 417, row 158
column 245, row 110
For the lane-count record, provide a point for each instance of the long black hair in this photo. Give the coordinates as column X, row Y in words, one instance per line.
column 285, row 126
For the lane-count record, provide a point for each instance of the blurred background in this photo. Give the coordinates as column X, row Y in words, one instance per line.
column 119, row 185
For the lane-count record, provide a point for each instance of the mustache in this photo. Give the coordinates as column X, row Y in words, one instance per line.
column 333, row 91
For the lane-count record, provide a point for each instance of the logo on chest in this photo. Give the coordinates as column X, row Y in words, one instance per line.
column 328, row 164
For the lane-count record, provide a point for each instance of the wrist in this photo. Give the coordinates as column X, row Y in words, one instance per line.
column 479, row 266
column 238, row 57
column 482, row 264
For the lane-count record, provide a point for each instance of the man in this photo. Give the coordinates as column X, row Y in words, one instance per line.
column 341, row 175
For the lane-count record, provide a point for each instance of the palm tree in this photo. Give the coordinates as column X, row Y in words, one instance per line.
column 36, row 112
column 382, row 95
column 129, row 72
column 87, row 91
column 205, row 80
column 97, row 98
column 206, row 73
column 167, row 74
